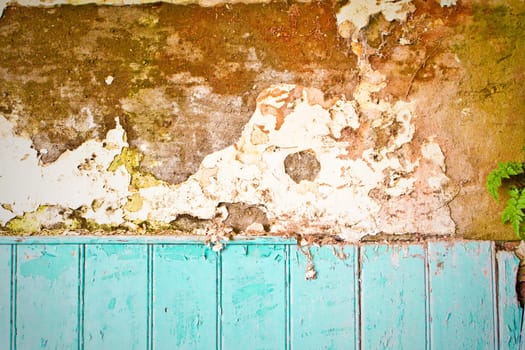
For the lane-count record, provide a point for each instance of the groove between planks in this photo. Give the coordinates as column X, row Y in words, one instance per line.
column 495, row 325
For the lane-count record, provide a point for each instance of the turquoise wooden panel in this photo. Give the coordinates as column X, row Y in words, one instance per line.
column 140, row 294
column 462, row 295
column 5, row 296
column 323, row 311
column 393, row 297
column 184, row 297
column 116, row 297
column 47, row 297
column 253, row 297
column 509, row 311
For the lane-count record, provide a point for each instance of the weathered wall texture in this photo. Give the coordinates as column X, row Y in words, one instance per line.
column 304, row 118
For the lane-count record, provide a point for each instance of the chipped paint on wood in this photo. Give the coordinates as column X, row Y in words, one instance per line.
column 438, row 294
column 393, row 276
column 253, row 296
column 461, row 284
column 115, row 296
column 313, row 300
column 5, row 296
column 509, row 311
column 184, row 293
column 47, row 276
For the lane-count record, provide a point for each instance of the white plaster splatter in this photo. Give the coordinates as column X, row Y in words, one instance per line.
column 371, row 179
column 339, row 200
column 76, row 179
column 431, row 150
column 3, row 5
column 376, row 189
column 447, row 3
column 355, row 15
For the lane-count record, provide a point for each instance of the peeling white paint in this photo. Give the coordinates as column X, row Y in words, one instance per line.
column 431, row 150
column 3, row 5
column 355, row 15
column 446, row 3
column 376, row 190
column 371, row 180
column 74, row 180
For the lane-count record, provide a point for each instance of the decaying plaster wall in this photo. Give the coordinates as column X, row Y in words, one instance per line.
column 286, row 119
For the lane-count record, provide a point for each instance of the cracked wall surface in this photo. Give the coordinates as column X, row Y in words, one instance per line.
column 278, row 119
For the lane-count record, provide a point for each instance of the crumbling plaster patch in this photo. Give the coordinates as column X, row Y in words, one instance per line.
column 145, row 52
column 355, row 15
column 422, row 157
column 76, row 180
column 347, row 196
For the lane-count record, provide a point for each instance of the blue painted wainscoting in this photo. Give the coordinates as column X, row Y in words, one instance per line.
column 165, row 293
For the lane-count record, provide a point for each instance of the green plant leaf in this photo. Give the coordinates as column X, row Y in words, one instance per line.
column 503, row 171
column 514, row 211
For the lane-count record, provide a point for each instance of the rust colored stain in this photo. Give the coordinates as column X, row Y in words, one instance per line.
column 179, row 72
column 355, row 140
column 281, row 112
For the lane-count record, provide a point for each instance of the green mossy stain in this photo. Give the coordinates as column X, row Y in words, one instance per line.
column 131, row 158
column 27, row 223
column 491, row 47
column 36, row 221
column 135, row 202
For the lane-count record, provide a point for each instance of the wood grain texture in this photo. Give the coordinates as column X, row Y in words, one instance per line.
column 393, row 297
column 115, row 297
column 323, row 311
column 47, row 297
column 253, row 297
column 462, row 295
column 184, row 296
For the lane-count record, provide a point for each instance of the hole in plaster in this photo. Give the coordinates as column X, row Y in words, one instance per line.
column 242, row 217
column 302, row 165
column 187, row 223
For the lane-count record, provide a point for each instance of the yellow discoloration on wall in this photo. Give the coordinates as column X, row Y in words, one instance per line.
column 405, row 118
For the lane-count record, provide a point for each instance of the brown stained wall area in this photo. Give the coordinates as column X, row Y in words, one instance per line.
column 184, row 80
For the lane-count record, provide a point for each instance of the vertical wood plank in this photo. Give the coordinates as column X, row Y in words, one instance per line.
column 393, row 294
column 5, row 296
column 509, row 311
column 184, row 294
column 115, row 296
column 47, row 297
column 323, row 310
column 462, row 295
column 253, row 297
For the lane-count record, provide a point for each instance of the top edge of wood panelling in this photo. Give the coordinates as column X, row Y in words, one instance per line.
column 240, row 240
